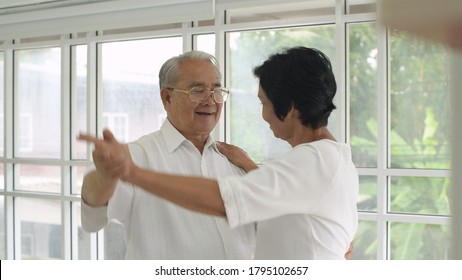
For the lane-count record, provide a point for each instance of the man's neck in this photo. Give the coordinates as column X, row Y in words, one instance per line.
column 199, row 142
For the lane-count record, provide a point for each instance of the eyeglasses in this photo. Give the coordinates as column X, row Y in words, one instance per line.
column 200, row 94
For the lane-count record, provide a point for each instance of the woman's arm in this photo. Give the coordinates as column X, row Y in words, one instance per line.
column 194, row 193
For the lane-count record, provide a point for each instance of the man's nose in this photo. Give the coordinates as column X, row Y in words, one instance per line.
column 210, row 99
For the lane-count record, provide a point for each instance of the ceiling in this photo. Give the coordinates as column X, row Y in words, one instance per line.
column 35, row 18
column 18, row 6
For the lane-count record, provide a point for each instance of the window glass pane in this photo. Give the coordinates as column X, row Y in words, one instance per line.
column 205, row 43
column 365, row 243
column 147, row 29
column 362, row 93
column 131, row 104
column 2, row 228
column 39, row 223
column 38, row 91
column 79, row 99
column 420, row 195
column 411, row 241
column 367, row 200
column 38, row 178
column 270, row 12
column 80, row 238
column 361, row 6
column 78, row 173
column 2, row 96
column 248, row 130
column 209, row 22
column 419, row 98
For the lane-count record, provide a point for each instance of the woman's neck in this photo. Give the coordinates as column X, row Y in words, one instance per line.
column 307, row 135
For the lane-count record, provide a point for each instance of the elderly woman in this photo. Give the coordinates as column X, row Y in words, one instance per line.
column 304, row 201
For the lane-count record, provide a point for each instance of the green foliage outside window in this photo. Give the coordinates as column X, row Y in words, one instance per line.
column 418, row 139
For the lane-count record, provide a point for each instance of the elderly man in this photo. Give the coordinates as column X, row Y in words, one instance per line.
column 192, row 95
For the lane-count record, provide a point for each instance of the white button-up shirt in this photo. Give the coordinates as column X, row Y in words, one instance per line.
column 158, row 229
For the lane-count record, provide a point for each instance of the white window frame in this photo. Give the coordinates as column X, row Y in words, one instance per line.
column 188, row 30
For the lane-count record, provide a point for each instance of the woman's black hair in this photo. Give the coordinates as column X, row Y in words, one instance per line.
column 302, row 78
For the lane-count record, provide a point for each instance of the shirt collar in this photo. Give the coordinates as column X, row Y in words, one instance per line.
column 173, row 138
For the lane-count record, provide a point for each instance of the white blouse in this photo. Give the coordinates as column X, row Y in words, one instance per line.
column 305, row 202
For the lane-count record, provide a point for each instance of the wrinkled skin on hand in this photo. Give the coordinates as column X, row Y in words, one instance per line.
column 111, row 158
column 237, row 156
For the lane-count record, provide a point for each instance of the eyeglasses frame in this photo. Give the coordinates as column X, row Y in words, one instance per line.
column 188, row 92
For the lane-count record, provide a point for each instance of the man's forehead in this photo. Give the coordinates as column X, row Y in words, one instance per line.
column 195, row 75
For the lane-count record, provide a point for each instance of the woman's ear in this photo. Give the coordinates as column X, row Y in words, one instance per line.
column 292, row 112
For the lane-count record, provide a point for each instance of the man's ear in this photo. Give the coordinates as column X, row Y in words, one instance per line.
column 165, row 95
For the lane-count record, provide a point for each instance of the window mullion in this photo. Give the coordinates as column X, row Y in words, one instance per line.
column 66, row 218
column 340, row 72
column 382, row 144
column 93, row 76
column 456, row 188
column 8, row 154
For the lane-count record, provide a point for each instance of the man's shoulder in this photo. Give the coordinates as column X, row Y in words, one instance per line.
column 147, row 142
column 148, row 138
column 228, row 168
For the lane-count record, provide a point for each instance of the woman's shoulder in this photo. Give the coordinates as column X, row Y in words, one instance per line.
column 324, row 144
column 321, row 149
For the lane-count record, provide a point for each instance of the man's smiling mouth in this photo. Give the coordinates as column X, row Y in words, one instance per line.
column 205, row 113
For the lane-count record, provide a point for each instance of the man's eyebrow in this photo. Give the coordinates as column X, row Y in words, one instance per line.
column 200, row 84
column 194, row 84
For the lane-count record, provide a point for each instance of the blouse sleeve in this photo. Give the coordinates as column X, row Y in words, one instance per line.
column 295, row 183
